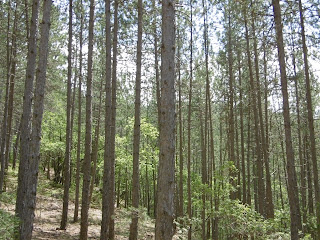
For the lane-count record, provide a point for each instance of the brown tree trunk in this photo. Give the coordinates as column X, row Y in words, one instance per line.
column 136, row 135
column 248, row 160
column 299, row 126
column 113, row 119
column 292, row 180
column 243, row 165
column 76, row 202
column 15, row 147
column 232, row 172
column 165, row 205
column 12, row 77
column 181, row 160
column 64, row 218
column 269, row 195
column 31, row 172
column 107, row 198
column 26, row 115
column 88, row 136
column 95, row 145
column 310, row 121
column 189, row 208
column 5, row 111
column 269, row 208
column 259, row 170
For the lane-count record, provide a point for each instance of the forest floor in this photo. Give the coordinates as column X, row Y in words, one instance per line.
column 49, row 209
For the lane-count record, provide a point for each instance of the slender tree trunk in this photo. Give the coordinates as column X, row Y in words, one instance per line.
column 136, row 135
column 292, row 180
column 181, row 160
column 16, row 146
column 28, row 209
column 269, row 208
column 165, row 205
column 310, row 120
column 248, row 159
column 76, row 202
column 6, row 105
column 243, row 166
column 189, row 208
column 203, row 174
column 113, row 118
column 88, row 137
column 12, row 77
column 95, row 145
column 253, row 90
column 232, row 172
column 64, row 218
column 107, row 198
column 26, row 116
column 299, row 126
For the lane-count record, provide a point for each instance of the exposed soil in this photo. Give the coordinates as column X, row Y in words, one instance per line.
column 48, row 216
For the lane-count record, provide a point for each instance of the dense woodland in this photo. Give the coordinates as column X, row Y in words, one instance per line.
column 203, row 114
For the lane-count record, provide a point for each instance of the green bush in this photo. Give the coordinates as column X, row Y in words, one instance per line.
column 8, row 225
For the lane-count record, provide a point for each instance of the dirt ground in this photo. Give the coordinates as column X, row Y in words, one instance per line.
column 49, row 210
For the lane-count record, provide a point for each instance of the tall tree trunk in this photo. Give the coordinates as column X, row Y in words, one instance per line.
column 6, row 105
column 95, row 145
column 267, row 194
column 88, row 137
column 299, row 126
column 136, row 135
column 64, row 218
column 189, row 208
column 12, row 77
column 232, row 172
column 203, row 174
column 16, row 146
column 292, row 179
column 76, row 202
column 181, row 160
column 113, row 117
column 248, row 158
column 253, row 95
column 26, row 116
column 310, row 120
column 165, row 205
column 31, row 172
column 107, row 194
column 158, row 94
column 243, row 165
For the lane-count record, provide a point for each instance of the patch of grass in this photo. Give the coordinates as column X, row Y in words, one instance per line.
column 8, row 197
column 8, row 225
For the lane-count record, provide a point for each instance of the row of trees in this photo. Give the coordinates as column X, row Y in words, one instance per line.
column 246, row 99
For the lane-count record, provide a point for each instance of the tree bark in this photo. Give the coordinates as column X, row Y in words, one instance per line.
column 253, row 95
column 64, row 218
column 12, row 77
column 136, row 135
column 107, row 198
column 165, row 205
column 88, row 137
column 76, row 202
column 31, row 172
column 310, row 120
column 292, row 180
column 232, row 171
column 189, row 208
column 26, row 116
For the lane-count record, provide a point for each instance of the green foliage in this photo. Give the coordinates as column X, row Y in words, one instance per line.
column 8, row 225
column 238, row 220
